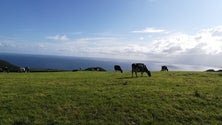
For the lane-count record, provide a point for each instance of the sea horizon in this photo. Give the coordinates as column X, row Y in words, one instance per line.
column 76, row 63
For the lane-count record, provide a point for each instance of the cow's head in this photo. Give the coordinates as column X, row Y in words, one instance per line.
column 148, row 73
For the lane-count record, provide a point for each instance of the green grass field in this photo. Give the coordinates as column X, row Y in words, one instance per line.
column 110, row 98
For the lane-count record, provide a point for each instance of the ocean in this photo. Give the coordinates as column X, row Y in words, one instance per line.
column 62, row 62
column 76, row 63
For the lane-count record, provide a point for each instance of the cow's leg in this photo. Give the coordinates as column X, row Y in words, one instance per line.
column 141, row 74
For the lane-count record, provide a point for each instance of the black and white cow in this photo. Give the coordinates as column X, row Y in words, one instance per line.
column 118, row 68
column 164, row 68
column 27, row 69
column 24, row 69
column 4, row 69
column 21, row 69
column 140, row 67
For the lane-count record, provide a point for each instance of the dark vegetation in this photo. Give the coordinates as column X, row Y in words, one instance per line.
column 94, row 69
column 212, row 70
column 10, row 66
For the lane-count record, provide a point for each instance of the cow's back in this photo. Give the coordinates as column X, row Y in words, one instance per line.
column 116, row 67
column 164, row 68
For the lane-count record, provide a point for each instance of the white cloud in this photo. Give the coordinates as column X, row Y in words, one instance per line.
column 172, row 48
column 58, row 38
column 201, row 48
column 207, row 42
column 8, row 44
column 149, row 30
column 141, row 38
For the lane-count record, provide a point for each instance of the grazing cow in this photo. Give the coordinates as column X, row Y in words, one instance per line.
column 24, row 69
column 21, row 69
column 164, row 68
column 140, row 67
column 118, row 68
column 27, row 69
column 4, row 69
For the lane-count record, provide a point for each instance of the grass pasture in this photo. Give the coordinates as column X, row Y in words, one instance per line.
column 110, row 98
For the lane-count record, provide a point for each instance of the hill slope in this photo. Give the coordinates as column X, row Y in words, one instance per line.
column 10, row 66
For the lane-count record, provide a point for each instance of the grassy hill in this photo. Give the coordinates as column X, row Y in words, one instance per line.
column 111, row 98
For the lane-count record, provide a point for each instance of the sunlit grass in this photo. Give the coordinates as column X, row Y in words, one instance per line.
column 110, row 98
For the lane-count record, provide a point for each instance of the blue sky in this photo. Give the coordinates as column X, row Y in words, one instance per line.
column 168, row 31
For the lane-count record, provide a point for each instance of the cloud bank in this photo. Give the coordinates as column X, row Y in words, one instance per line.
column 203, row 48
column 58, row 38
column 149, row 30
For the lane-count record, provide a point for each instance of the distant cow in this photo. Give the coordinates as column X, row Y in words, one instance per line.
column 118, row 68
column 140, row 67
column 5, row 69
column 21, row 69
column 164, row 68
column 24, row 69
column 27, row 69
